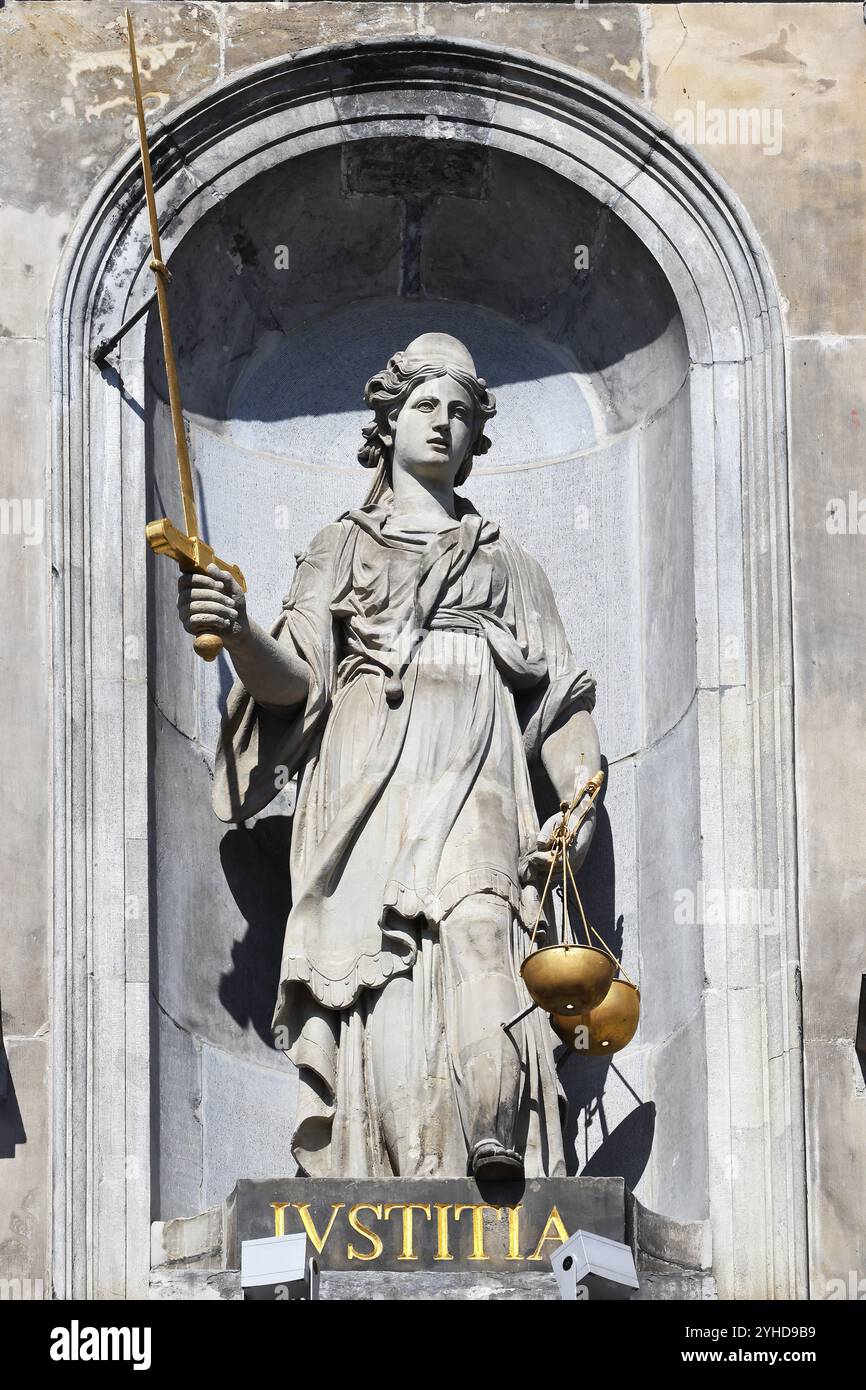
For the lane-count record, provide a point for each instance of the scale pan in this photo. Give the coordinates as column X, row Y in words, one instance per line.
column 568, row 979
column 609, row 1027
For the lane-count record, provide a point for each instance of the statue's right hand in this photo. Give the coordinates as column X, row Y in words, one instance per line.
column 213, row 602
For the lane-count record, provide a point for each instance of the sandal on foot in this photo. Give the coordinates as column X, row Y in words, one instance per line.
column 490, row 1159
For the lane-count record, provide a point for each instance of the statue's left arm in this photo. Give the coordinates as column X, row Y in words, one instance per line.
column 571, row 755
column 556, row 713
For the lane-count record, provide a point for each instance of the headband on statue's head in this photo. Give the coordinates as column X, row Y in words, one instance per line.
column 441, row 350
column 430, row 355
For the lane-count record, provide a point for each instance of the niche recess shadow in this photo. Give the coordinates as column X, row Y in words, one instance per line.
column 407, row 219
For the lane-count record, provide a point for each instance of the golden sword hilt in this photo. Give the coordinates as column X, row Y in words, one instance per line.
column 192, row 555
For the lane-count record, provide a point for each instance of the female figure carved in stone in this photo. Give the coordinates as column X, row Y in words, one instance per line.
column 418, row 670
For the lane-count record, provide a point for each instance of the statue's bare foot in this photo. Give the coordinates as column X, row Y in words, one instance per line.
column 490, row 1159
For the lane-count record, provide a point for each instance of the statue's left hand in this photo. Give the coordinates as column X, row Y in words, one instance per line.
column 538, row 863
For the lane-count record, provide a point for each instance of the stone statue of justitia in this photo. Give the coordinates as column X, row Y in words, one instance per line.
column 418, row 670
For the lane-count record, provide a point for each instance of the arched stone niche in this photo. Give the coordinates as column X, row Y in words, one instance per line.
column 639, row 452
column 590, row 468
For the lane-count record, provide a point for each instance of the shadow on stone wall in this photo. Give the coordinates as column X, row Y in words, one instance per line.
column 12, row 1131
column 255, row 863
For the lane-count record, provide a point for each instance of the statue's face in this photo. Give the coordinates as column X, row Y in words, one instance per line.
column 433, row 430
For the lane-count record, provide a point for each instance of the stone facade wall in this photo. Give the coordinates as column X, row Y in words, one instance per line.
column 65, row 114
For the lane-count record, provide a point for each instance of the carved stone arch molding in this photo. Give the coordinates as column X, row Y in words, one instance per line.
column 709, row 253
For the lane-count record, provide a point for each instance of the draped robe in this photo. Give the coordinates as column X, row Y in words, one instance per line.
column 438, row 664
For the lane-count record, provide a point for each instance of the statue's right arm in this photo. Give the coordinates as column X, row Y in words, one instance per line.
column 215, row 602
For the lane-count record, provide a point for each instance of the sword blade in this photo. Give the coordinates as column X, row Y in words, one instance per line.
column 161, row 277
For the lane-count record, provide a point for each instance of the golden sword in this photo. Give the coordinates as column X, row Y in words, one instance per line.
column 188, row 549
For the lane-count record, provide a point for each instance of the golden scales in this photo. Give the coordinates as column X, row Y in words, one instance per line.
column 574, row 982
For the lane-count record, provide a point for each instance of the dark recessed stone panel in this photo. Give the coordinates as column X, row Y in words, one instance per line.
column 440, row 1224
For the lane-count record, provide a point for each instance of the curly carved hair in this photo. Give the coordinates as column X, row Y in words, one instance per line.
column 388, row 390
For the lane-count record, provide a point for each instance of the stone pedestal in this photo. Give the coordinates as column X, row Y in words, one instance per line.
column 428, row 1238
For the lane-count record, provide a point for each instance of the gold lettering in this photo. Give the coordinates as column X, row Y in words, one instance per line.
column 478, row 1210
column 514, row 1233
column 303, row 1210
column 560, row 1234
column 407, row 1251
column 279, row 1217
column 442, row 1252
column 364, row 1231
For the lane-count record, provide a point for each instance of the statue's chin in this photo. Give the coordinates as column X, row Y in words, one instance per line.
column 435, row 467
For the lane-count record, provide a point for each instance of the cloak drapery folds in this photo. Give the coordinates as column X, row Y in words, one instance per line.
column 258, row 744
column 260, row 747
